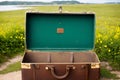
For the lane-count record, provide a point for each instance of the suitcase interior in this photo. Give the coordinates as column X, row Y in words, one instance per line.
column 60, row 31
column 60, row 57
column 60, row 38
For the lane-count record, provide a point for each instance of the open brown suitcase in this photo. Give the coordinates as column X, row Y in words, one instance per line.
column 58, row 47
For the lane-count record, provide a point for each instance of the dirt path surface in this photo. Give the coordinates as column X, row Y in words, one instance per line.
column 11, row 76
column 11, row 61
column 117, row 73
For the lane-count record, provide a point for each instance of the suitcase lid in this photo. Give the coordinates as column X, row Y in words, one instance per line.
column 60, row 31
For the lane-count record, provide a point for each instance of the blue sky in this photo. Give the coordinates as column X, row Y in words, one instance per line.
column 85, row 1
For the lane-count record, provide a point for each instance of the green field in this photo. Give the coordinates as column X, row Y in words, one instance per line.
column 107, row 45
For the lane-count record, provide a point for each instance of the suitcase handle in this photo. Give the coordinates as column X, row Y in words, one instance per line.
column 52, row 68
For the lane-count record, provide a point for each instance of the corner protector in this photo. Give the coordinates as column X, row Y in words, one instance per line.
column 25, row 66
column 95, row 65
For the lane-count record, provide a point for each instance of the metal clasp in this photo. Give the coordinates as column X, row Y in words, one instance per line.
column 25, row 66
column 95, row 65
column 60, row 9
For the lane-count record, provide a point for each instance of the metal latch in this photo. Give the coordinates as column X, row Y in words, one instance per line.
column 95, row 65
column 60, row 9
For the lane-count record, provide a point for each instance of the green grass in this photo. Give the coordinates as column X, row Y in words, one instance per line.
column 104, row 12
column 11, row 68
column 106, row 74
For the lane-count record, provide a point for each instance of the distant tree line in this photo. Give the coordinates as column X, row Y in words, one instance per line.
column 37, row 3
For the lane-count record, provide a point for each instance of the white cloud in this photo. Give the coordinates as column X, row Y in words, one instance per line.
column 98, row 1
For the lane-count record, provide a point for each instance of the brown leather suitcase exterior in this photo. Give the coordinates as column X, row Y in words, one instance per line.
column 60, row 65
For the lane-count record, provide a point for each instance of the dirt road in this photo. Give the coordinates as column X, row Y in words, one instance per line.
column 11, row 76
column 10, row 61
